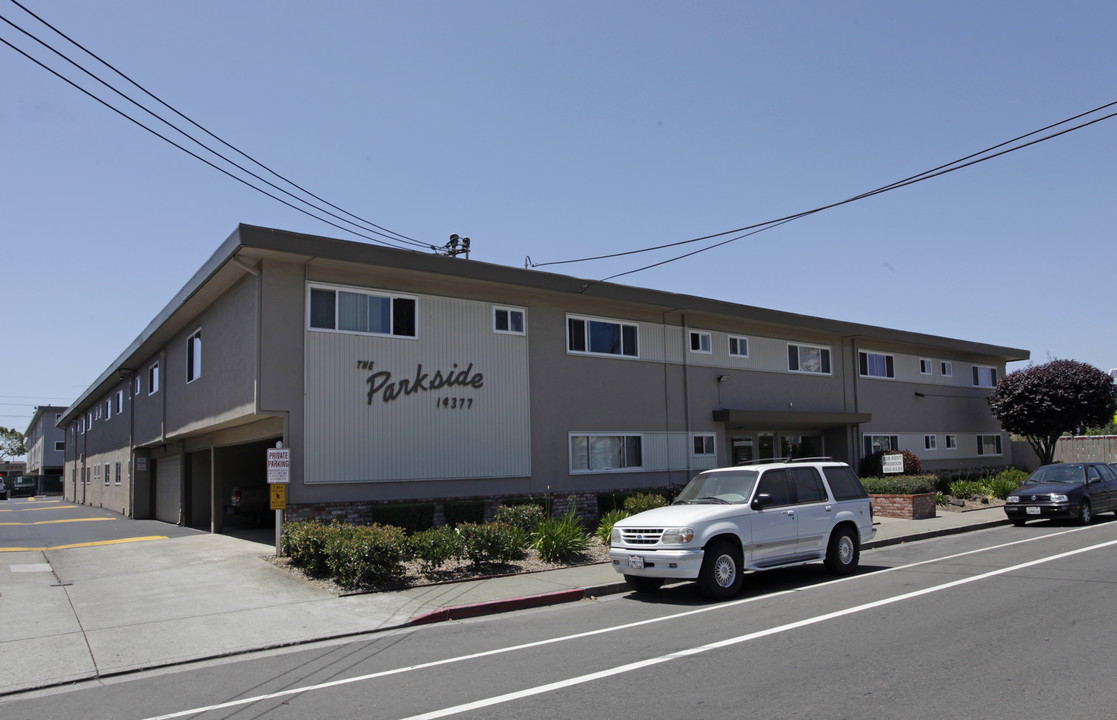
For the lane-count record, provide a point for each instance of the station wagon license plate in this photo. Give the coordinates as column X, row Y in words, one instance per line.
column 636, row 562
column 1031, row 510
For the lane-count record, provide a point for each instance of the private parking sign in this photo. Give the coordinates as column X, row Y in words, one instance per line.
column 279, row 465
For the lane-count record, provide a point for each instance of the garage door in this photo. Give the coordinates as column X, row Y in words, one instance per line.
column 168, row 489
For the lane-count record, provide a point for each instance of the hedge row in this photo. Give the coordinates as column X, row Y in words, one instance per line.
column 356, row 555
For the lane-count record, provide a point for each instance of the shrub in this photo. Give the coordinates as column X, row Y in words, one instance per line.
column 357, row 554
column 464, row 511
column 525, row 517
column 899, row 484
column 966, row 488
column 305, row 543
column 485, row 543
column 608, row 520
column 643, row 501
column 434, row 547
column 873, row 465
column 1006, row 481
column 412, row 517
column 560, row 539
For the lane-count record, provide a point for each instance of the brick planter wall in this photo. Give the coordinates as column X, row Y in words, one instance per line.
column 905, row 507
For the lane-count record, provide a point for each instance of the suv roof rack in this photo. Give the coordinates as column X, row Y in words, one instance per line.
column 769, row 461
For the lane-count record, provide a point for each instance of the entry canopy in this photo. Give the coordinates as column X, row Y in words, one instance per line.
column 785, row 420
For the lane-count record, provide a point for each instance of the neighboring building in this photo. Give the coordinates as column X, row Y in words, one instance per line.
column 394, row 376
column 13, row 469
column 46, row 442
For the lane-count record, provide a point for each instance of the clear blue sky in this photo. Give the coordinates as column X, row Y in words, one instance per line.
column 567, row 129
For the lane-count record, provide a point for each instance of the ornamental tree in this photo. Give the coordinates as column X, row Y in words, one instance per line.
column 1041, row 402
column 12, row 443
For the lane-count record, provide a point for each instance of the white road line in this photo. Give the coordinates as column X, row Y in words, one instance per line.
column 650, row 621
column 538, row 690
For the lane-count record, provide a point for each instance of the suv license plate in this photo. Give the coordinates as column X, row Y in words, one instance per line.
column 636, row 562
column 1031, row 510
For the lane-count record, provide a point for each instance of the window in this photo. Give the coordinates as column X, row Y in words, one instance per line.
column 879, row 443
column 99, row 413
column 808, row 485
column 844, row 483
column 808, row 359
column 951, row 442
column 108, row 477
column 930, row 442
column 738, row 346
column 363, row 312
column 925, row 367
column 108, row 409
column 139, row 385
column 194, row 357
column 946, row 368
column 984, row 376
column 119, row 401
column 876, row 365
column 988, row 444
column 700, row 342
column 774, row 483
column 508, row 320
column 595, row 453
column 601, row 337
column 704, row 445
column 60, row 445
column 116, row 477
column 153, row 379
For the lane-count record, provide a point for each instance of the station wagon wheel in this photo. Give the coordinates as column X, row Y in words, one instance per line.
column 643, row 584
column 1085, row 516
column 842, row 554
column 720, row 576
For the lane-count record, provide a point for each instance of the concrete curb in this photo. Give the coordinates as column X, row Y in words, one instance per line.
column 459, row 612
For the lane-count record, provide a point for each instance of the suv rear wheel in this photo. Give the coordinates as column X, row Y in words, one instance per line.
column 842, row 554
column 720, row 576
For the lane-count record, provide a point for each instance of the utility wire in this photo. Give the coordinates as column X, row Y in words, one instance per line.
column 749, row 230
column 398, row 237
column 902, row 183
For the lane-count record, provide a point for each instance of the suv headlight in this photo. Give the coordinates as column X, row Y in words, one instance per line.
column 677, row 536
column 615, row 536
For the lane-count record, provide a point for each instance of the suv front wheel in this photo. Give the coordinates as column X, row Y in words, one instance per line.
column 720, row 576
column 842, row 553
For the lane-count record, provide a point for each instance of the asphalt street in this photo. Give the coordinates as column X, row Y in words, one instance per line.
column 1000, row 623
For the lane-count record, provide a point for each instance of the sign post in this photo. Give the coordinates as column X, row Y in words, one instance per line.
column 279, row 476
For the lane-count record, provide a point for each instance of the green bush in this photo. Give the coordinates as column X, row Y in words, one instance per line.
column 412, row 517
column 305, row 543
column 608, row 520
column 873, row 465
column 643, row 501
column 1006, row 481
column 560, row 539
column 525, row 517
column 965, row 488
column 464, row 511
column 485, row 543
column 358, row 554
column 434, row 547
column 899, row 484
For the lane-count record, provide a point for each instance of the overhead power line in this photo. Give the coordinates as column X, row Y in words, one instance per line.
column 743, row 232
column 390, row 237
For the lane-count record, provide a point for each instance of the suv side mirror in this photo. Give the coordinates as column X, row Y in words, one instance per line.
column 761, row 500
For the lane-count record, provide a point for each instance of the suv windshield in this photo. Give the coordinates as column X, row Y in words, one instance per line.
column 733, row 486
column 1056, row 474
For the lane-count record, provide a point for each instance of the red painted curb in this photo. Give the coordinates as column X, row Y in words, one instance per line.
column 495, row 606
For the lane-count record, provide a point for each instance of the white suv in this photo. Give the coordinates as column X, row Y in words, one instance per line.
column 757, row 516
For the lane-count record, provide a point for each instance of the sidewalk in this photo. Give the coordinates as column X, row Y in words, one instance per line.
column 83, row 613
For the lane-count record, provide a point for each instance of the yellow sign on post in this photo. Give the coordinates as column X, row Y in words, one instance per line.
column 278, row 494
